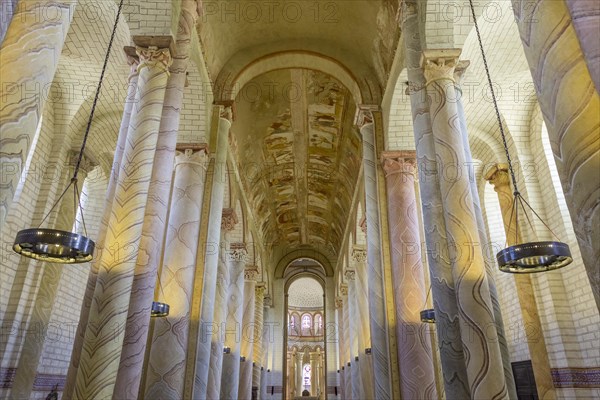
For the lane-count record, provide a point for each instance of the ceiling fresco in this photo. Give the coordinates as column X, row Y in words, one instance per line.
column 298, row 154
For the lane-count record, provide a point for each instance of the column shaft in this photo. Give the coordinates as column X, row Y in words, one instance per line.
column 417, row 377
column 498, row 176
column 204, row 341
column 30, row 53
column 257, row 339
column 346, row 363
column 110, row 195
column 468, row 264
column 168, row 346
column 104, row 337
column 247, row 331
column 353, row 333
column 377, row 304
column 442, row 282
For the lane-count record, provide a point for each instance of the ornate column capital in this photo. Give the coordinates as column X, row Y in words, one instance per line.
column 363, row 224
column 350, row 274
column 364, row 114
column 359, row 254
column 498, row 176
column 133, row 60
column 229, row 219
column 251, row 273
column 227, row 110
column 439, row 64
column 344, row 289
column 399, row 162
column 237, row 252
column 459, row 71
column 87, row 163
column 259, row 290
column 339, row 302
column 268, row 301
column 154, row 57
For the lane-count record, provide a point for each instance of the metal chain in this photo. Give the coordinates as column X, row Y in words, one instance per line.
column 89, row 124
column 487, row 72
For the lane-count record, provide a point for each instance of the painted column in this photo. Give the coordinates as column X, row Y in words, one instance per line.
column 353, row 332
column 131, row 366
column 443, row 289
column 265, row 378
column 247, row 331
column 585, row 15
column 459, row 71
column 257, row 352
column 499, row 178
column 314, row 377
column 468, row 264
column 377, row 303
column 209, row 283
column 108, row 314
column 570, row 104
column 346, row 363
column 110, row 195
column 292, row 374
column 414, row 347
column 33, row 344
column 339, row 313
column 359, row 260
column 30, row 52
column 236, row 260
column 168, row 344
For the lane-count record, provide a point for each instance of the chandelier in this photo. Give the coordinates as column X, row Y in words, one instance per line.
column 524, row 257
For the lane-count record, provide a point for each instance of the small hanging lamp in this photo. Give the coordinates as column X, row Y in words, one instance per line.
column 54, row 245
column 428, row 314
column 159, row 309
column 526, row 257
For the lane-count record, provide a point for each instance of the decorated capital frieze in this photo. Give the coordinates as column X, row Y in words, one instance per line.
column 339, row 302
column 344, row 290
column 154, row 57
column 350, row 274
column 268, row 301
column 459, row 71
column 259, row 290
column 359, row 254
column 251, row 273
column 87, row 163
column 192, row 153
column 229, row 219
column 399, row 162
column 364, row 114
column 498, row 176
column 439, row 64
column 237, row 252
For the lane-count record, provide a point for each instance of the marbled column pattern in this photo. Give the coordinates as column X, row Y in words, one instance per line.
column 353, row 332
column 104, row 337
column 247, row 332
column 257, row 352
column 414, row 346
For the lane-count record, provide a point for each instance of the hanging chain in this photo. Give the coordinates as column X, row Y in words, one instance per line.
column 89, row 124
column 487, row 72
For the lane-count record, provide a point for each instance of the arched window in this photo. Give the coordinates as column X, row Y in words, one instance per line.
column 318, row 325
column 293, row 324
column 306, row 321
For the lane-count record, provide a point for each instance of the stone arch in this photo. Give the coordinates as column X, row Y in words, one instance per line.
column 322, row 260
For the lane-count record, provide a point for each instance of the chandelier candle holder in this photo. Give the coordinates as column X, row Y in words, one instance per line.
column 525, row 257
column 54, row 245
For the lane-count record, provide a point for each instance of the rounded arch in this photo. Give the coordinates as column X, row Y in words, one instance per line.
column 229, row 83
column 284, row 262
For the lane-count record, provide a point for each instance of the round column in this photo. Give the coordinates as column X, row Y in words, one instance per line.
column 359, row 260
column 168, row 344
column 104, row 337
column 133, row 61
column 498, row 177
column 346, row 356
column 247, row 330
column 236, row 260
column 354, row 327
column 468, row 263
column 257, row 352
column 417, row 377
column 442, row 281
column 339, row 315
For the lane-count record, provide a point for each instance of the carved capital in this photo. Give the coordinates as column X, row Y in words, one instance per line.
column 399, row 162
column 363, row 224
column 344, row 290
column 459, row 71
column 132, row 60
column 359, row 255
column 339, row 302
column 192, row 154
column 154, row 57
column 498, row 176
column 229, row 219
column 259, row 290
column 87, row 163
column 439, row 64
column 406, row 10
column 364, row 114
column 227, row 112
column 236, row 253
column 350, row 274
column 268, row 301
column 251, row 273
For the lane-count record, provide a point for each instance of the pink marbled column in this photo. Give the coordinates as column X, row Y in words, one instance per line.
column 417, row 378
column 247, row 331
column 236, row 260
column 104, row 336
column 480, row 343
column 168, row 346
column 110, row 195
column 353, row 333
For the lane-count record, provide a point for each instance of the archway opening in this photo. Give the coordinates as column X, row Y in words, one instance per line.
column 305, row 339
